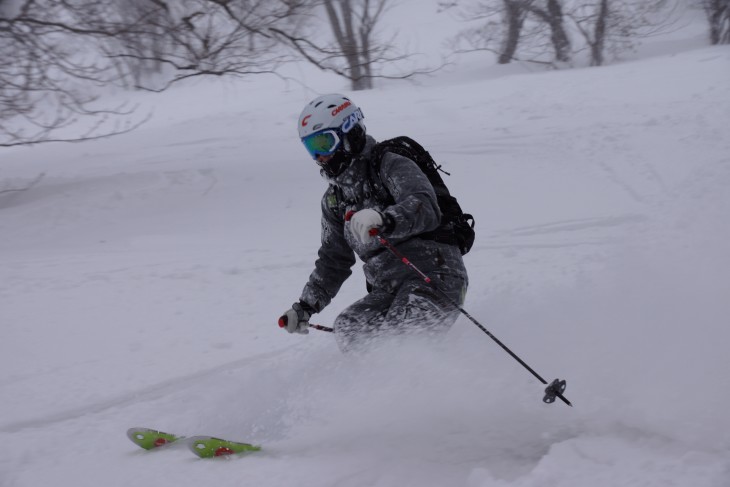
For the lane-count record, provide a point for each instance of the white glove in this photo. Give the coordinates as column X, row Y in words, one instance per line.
column 363, row 221
column 295, row 319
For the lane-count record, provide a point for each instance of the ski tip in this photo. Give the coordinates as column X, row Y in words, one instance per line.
column 211, row 447
column 150, row 439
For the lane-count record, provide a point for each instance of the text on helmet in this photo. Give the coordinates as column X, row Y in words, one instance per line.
column 341, row 107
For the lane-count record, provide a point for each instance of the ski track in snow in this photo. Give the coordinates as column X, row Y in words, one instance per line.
column 149, row 393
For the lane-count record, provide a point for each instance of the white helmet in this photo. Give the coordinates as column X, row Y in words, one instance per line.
column 331, row 125
column 331, row 111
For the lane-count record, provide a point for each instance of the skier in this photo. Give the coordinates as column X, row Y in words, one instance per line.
column 400, row 204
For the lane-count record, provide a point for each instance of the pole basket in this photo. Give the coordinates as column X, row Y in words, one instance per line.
column 555, row 389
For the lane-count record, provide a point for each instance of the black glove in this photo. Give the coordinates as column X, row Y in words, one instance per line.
column 296, row 319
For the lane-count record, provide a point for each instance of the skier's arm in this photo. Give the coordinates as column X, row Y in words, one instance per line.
column 415, row 210
column 334, row 263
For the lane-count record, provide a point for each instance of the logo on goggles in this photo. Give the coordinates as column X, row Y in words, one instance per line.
column 352, row 120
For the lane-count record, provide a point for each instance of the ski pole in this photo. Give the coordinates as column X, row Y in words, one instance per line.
column 322, row 328
column 284, row 320
column 553, row 390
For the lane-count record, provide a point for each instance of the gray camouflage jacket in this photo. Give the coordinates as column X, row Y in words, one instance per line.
column 414, row 212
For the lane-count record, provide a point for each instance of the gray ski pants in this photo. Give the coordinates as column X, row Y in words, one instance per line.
column 414, row 308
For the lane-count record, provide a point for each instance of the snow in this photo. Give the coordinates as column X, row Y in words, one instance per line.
column 142, row 276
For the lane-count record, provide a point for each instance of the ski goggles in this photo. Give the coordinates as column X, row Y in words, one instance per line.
column 322, row 143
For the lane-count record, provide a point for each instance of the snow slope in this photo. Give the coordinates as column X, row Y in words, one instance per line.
column 141, row 278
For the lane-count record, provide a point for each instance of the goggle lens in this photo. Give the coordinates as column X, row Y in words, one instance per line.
column 323, row 143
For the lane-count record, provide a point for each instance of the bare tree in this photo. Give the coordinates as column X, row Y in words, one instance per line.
column 41, row 98
column 501, row 31
column 718, row 15
column 61, row 55
column 615, row 26
column 150, row 47
column 355, row 52
column 551, row 13
column 534, row 28
column 188, row 38
column 544, row 31
column 514, row 17
column 355, row 45
column 597, row 41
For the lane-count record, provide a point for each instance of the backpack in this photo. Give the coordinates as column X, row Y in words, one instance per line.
column 457, row 227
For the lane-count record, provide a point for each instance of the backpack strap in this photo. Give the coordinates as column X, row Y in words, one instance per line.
column 334, row 201
column 403, row 146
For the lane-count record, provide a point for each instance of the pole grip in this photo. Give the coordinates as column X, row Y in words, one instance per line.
column 283, row 321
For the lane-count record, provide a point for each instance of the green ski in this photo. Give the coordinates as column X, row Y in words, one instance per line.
column 210, row 447
column 202, row 446
column 150, row 439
